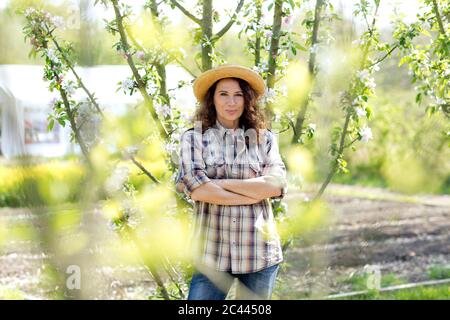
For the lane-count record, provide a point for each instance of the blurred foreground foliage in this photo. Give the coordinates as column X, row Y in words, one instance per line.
column 57, row 181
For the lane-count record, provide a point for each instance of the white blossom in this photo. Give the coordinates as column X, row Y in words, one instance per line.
column 29, row 11
column 117, row 179
column 127, row 84
column 58, row 21
column 270, row 95
column 357, row 101
column 69, row 88
column 284, row 63
column 152, row 90
column 363, row 75
column 361, row 112
column 51, row 54
column 130, row 151
column 47, row 15
column 163, row 110
column 439, row 100
column 53, row 101
column 358, row 42
column 287, row 20
column 170, row 147
column 140, row 55
column 176, row 136
column 186, row 116
column 277, row 117
column 258, row 69
column 206, row 43
column 366, row 134
column 312, row 126
column 370, row 83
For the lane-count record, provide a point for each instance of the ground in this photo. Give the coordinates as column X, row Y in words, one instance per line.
column 404, row 236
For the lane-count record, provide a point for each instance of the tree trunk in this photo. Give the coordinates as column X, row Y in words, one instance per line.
column 258, row 34
column 298, row 128
column 207, row 35
column 275, row 43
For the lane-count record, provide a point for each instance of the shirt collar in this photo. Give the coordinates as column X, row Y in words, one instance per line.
column 223, row 130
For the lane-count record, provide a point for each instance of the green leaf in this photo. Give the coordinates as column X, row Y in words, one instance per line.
column 51, row 125
column 403, row 60
column 369, row 112
column 419, row 98
column 294, row 51
column 292, row 3
column 62, row 122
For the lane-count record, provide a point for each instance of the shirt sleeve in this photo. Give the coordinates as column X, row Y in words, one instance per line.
column 274, row 165
column 192, row 166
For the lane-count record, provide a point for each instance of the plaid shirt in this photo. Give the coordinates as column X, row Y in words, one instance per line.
column 238, row 239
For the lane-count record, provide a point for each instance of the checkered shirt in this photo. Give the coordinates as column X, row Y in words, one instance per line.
column 238, row 239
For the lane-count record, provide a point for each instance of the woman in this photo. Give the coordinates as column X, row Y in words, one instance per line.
column 230, row 167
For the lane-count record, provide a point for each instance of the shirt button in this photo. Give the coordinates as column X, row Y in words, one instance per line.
column 234, row 220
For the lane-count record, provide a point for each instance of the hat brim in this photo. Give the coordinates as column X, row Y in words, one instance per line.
column 208, row 78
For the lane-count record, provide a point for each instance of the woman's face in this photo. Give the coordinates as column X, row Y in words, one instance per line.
column 229, row 102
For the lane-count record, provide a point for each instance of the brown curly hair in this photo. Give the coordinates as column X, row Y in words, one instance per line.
column 251, row 118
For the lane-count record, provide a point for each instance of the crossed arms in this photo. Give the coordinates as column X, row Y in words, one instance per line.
column 194, row 181
column 235, row 191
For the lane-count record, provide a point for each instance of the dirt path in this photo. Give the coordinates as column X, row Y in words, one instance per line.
column 404, row 236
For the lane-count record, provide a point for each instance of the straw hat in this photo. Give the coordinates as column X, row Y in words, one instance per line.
column 208, row 78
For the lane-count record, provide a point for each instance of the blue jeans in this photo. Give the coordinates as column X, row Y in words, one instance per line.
column 260, row 284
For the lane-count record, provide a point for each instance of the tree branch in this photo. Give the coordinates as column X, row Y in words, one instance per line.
column 333, row 167
column 72, row 69
column 438, row 16
column 137, row 76
column 186, row 12
column 258, row 34
column 230, row 23
column 298, row 128
column 347, row 121
column 207, row 29
column 385, row 56
column 76, row 131
column 144, row 170
column 274, row 43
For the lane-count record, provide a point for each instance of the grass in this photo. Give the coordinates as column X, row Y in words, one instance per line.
column 358, row 282
column 441, row 292
column 439, row 272
column 11, row 294
column 438, row 292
